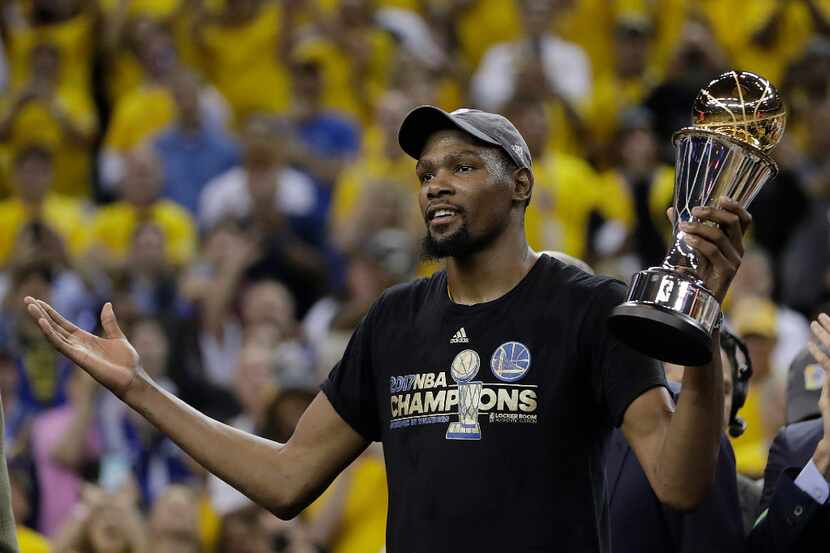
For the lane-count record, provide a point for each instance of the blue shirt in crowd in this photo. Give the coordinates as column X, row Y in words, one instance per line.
column 190, row 160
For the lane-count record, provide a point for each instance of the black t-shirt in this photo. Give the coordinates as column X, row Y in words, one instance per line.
column 493, row 416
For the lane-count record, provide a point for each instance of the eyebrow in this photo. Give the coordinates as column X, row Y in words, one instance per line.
column 455, row 156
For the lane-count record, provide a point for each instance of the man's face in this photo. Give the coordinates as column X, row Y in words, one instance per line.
column 465, row 202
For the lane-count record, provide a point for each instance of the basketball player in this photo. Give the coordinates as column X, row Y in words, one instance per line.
column 502, row 452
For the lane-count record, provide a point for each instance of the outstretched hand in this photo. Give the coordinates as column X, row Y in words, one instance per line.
column 110, row 359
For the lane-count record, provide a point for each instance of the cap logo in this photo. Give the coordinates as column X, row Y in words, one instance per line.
column 518, row 150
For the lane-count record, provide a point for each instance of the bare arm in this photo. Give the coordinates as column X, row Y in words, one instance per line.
column 282, row 478
column 678, row 450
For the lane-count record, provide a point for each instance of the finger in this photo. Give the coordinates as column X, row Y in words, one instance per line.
column 819, row 356
column 672, row 215
column 715, row 236
column 711, row 252
column 727, row 221
column 57, row 317
column 820, row 333
column 727, row 203
column 57, row 341
column 38, row 313
column 109, row 322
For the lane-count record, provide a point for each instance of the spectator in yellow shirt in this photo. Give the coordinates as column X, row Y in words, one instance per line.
column 381, row 162
column 566, row 191
column 242, row 48
column 42, row 109
column 145, row 111
column 33, row 201
column 625, row 84
column 356, row 55
column 70, row 25
column 114, row 226
column 636, row 192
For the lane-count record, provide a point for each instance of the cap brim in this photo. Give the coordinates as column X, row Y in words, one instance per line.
column 424, row 121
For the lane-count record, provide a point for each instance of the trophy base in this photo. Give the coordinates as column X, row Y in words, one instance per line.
column 460, row 431
column 668, row 316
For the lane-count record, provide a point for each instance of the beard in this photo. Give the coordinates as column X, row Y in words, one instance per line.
column 460, row 244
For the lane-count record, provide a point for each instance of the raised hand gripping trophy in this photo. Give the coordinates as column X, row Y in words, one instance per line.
column 668, row 313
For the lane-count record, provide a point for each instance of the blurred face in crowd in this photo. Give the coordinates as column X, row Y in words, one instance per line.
column 818, row 131
column 254, row 378
column 531, row 120
column 392, row 109
column 754, row 277
column 465, row 196
column 537, row 15
column 760, row 351
column 186, row 95
column 151, row 344
column 37, row 285
column 174, row 522
column 33, row 173
column 631, row 49
column 46, row 62
column 147, row 252
column 268, row 301
column 242, row 532
column 284, row 413
column 154, row 48
column 308, row 84
column 638, row 149
column 142, row 178
column 261, row 144
column 106, row 530
column 356, row 13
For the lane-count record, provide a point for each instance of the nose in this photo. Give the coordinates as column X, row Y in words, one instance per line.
column 439, row 185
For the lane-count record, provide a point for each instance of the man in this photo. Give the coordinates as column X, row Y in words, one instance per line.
column 795, row 508
column 640, row 523
column 526, row 476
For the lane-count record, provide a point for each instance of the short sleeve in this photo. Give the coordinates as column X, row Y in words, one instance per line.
column 619, row 374
column 350, row 386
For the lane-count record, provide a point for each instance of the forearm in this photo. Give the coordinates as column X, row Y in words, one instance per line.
column 689, row 452
column 251, row 464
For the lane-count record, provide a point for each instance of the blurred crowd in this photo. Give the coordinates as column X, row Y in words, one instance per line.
column 227, row 173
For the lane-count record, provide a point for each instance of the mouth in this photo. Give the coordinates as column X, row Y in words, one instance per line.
column 441, row 215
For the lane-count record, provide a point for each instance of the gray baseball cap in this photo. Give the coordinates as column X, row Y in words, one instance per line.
column 804, row 382
column 491, row 128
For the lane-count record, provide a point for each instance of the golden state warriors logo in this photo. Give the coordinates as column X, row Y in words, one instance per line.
column 510, row 361
column 465, row 366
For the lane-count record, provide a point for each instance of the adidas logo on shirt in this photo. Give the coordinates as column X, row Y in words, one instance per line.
column 460, row 337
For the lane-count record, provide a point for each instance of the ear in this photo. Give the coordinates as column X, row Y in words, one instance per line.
column 522, row 185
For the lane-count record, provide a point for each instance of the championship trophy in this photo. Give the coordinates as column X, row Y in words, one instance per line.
column 464, row 367
column 737, row 118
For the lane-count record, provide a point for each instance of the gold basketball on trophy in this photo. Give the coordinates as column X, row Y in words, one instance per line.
column 742, row 105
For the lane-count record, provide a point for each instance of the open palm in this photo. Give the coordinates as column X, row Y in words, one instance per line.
column 111, row 359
